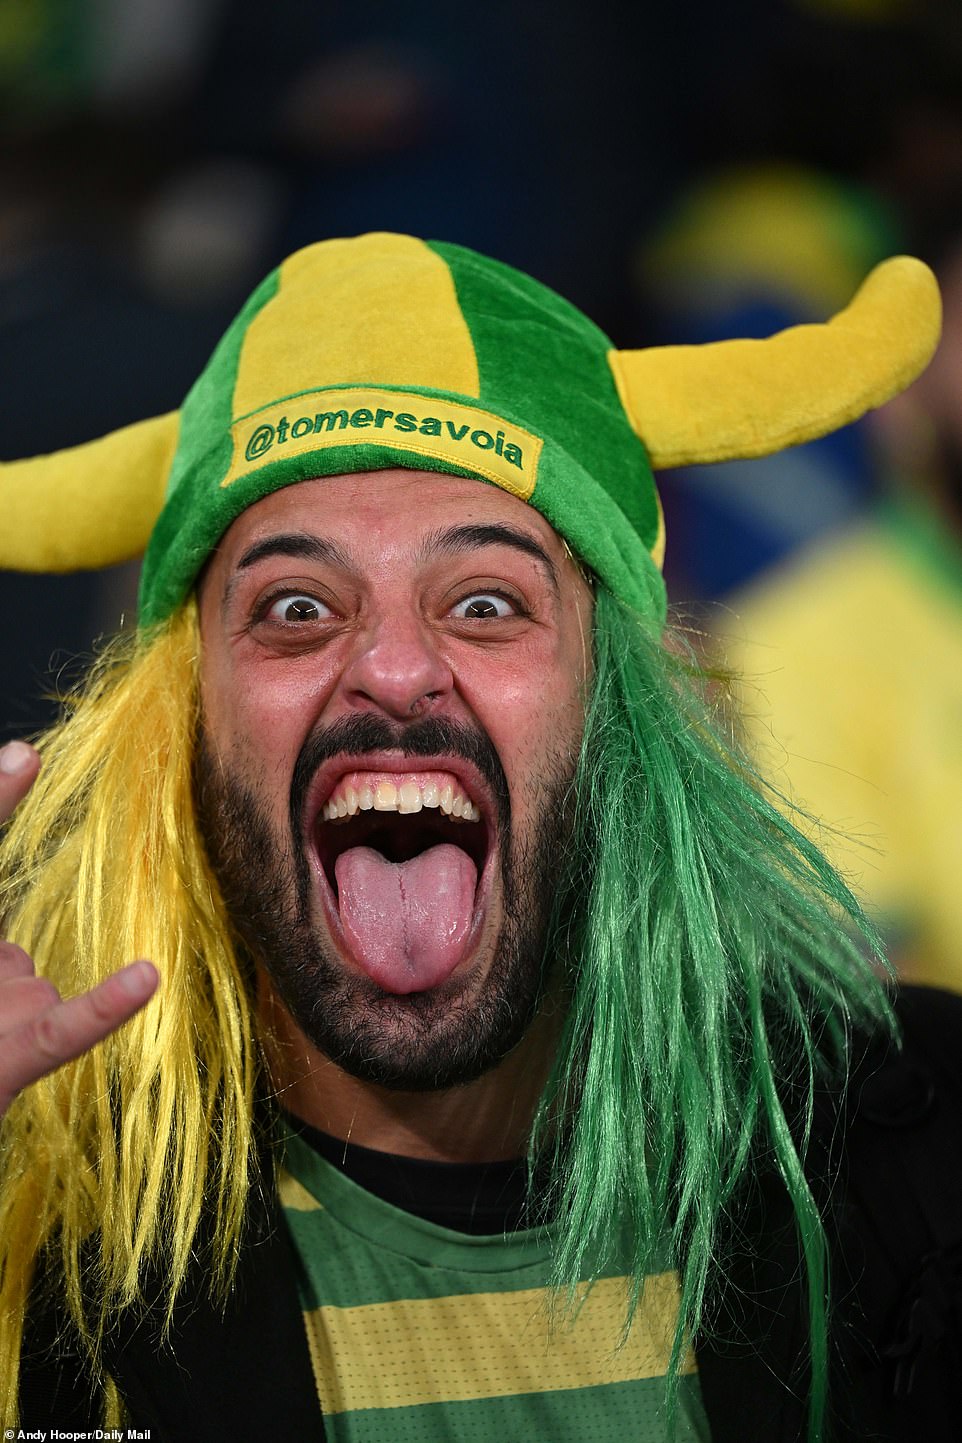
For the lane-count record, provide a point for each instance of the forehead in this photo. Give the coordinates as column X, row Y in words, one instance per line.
column 381, row 514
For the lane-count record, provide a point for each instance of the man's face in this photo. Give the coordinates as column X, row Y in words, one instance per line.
column 394, row 668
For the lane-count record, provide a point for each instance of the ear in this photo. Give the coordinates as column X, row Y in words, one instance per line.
column 738, row 399
column 89, row 506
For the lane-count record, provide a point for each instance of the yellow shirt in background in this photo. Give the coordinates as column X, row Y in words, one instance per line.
column 849, row 673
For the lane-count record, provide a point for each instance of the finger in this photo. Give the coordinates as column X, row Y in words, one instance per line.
column 19, row 765
column 23, row 998
column 14, row 961
column 70, row 1028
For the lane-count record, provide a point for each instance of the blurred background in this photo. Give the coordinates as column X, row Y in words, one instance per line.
column 696, row 173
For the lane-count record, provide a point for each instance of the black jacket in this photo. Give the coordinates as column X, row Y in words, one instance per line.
column 886, row 1167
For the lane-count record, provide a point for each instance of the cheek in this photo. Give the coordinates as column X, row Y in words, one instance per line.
column 533, row 709
column 257, row 719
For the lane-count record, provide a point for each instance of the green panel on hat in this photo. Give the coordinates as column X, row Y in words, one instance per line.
column 187, row 530
column 541, row 359
column 539, row 356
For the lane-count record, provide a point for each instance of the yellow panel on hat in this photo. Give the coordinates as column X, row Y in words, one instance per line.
column 381, row 307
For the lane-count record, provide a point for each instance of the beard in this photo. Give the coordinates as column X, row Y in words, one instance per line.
column 421, row 1041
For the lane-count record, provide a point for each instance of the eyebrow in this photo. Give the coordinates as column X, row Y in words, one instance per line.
column 450, row 541
column 289, row 543
column 456, row 539
column 294, row 543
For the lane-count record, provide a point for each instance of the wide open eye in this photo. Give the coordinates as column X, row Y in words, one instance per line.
column 484, row 606
column 293, row 607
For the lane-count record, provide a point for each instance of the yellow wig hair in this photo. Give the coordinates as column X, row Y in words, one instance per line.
column 115, row 1153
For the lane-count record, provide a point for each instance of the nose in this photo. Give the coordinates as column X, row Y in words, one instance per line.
column 397, row 669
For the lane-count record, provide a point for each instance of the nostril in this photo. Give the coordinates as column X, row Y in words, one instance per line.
column 419, row 707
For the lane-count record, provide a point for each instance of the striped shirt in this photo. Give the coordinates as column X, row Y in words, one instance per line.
column 420, row 1334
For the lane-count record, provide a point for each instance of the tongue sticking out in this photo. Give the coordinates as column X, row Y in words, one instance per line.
column 406, row 922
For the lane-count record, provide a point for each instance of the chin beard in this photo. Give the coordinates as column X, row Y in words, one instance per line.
column 421, row 1041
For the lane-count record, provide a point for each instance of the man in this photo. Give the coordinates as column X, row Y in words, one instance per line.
column 480, row 957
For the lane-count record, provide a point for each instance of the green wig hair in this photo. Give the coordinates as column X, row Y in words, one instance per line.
column 718, row 968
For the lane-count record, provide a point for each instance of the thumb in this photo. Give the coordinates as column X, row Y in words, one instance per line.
column 19, row 765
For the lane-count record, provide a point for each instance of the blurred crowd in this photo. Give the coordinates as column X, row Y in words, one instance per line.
column 701, row 172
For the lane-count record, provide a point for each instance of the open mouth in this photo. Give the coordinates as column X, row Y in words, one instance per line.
column 404, row 864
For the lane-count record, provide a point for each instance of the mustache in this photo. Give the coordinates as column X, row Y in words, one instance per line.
column 356, row 735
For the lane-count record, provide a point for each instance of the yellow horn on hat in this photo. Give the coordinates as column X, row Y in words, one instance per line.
column 90, row 505
column 738, row 399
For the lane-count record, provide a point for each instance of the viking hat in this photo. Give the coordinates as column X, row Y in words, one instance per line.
column 383, row 351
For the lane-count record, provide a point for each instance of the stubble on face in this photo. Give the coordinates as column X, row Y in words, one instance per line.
column 420, row 1041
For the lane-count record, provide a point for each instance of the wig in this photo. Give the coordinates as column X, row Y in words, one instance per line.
column 130, row 1144
column 710, row 959
column 718, row 964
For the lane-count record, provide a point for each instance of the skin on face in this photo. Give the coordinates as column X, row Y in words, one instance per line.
column 402, row 596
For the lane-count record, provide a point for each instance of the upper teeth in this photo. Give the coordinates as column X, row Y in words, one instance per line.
column 410, row 795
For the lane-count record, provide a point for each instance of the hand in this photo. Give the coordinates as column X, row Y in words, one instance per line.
column 39, row 1031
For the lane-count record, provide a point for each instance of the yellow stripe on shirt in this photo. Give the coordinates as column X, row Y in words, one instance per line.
column 485, row 1345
